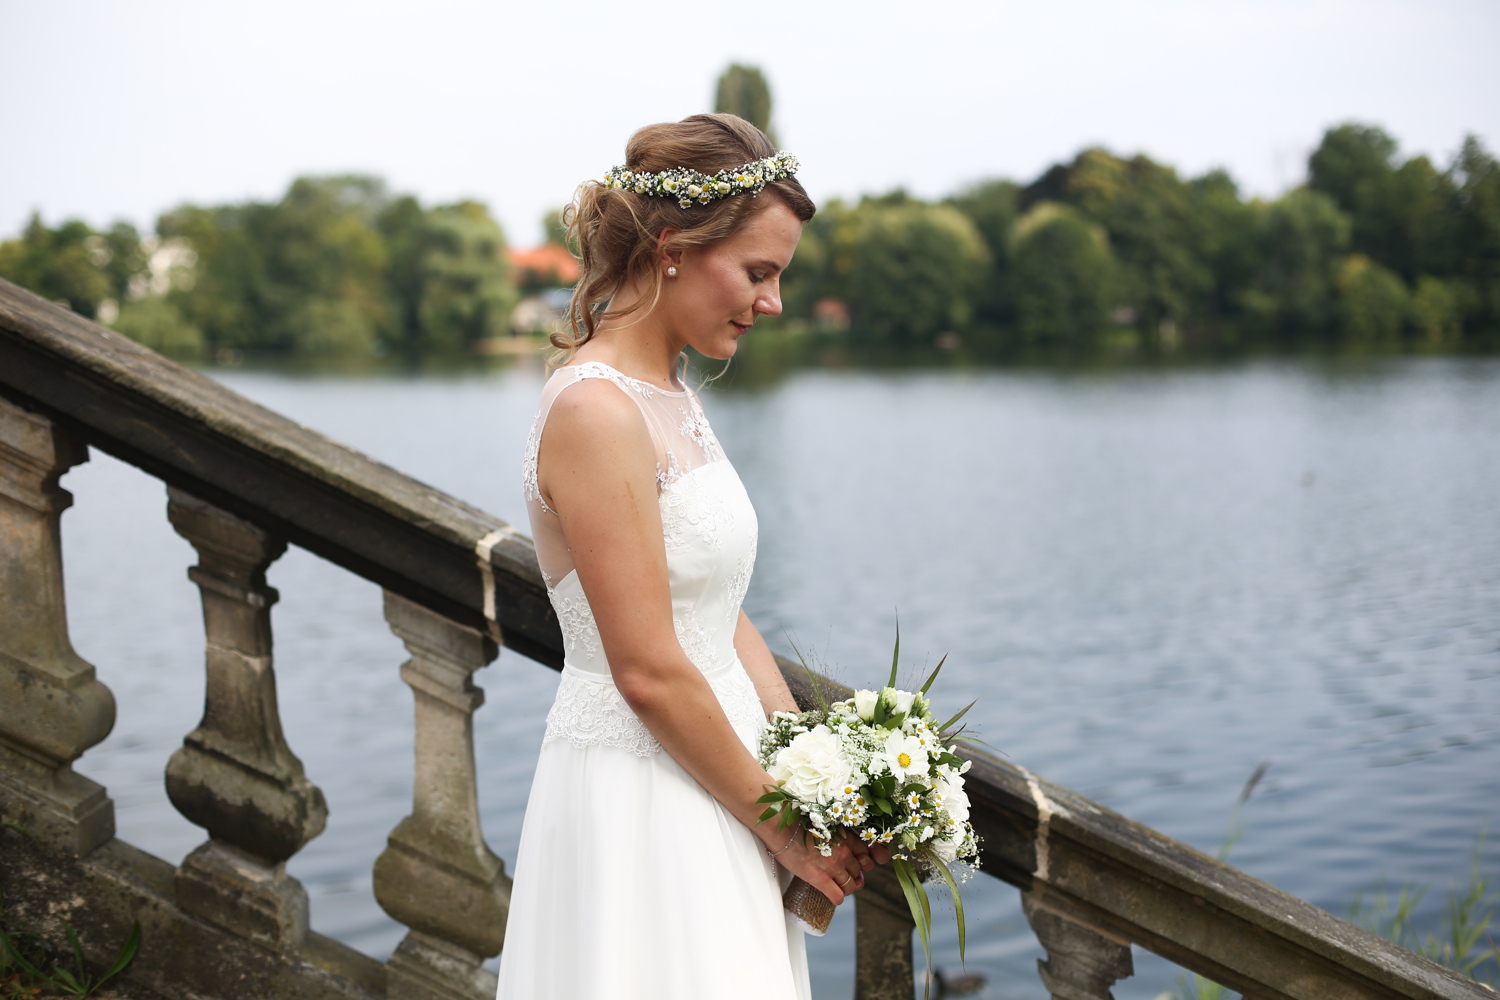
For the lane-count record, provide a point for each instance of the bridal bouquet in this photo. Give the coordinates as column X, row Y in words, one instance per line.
column 877, row 766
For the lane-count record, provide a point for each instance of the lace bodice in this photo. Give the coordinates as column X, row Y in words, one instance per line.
column 709, row 532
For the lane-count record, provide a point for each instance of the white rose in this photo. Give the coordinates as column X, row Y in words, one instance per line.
column 955, row 800
column 903, row 702
column 946, row 851
column 864, row 704
column 813, row 766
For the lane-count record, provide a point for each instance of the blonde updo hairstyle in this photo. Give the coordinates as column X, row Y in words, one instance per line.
column 617, row 233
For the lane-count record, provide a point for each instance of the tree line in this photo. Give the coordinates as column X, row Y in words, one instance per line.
column 336, row 266
column 1372, row 249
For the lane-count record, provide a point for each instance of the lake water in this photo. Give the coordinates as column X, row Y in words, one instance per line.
column 1151, row 580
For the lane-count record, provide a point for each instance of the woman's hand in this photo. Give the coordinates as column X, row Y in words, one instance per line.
column 869, row 855
column 838, row 875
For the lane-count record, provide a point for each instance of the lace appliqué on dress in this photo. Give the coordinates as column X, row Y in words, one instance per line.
column 739, row 583
column 693, row 638
column 741, row 703
column 687, row 504
column 529, row 486
column 590, row 713
column 695, row 428
column 594, row 713
column 577, row 621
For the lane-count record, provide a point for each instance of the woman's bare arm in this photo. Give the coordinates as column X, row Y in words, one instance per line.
column 597, row 469
column 756, row 657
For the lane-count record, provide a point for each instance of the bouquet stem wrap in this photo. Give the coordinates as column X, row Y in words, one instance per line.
column 812, row 910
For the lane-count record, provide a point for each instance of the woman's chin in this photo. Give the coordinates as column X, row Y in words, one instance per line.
column 719, row 350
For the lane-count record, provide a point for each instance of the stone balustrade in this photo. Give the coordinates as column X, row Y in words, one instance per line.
column 242, row 484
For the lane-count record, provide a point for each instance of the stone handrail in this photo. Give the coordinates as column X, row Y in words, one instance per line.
column 243, row 482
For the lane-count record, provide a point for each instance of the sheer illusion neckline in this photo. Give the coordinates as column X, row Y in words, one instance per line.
column 648, row 386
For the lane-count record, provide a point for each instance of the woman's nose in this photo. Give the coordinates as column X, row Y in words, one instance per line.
column 769, row 304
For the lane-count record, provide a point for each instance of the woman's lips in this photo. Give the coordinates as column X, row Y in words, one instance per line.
column 742, row 327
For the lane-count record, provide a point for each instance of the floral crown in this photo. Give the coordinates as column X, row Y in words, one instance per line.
column 688, row 185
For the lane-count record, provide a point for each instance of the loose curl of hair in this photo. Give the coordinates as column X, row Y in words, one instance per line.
column 617, row 234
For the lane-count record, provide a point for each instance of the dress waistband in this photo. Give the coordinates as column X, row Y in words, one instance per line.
column 595, row 677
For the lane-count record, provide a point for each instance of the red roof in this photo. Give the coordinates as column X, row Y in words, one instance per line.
column 548, row 259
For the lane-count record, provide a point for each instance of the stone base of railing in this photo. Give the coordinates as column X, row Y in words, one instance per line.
column 181, row 957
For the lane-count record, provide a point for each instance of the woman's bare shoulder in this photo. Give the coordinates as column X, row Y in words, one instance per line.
column 598, row 423
column 598, row 404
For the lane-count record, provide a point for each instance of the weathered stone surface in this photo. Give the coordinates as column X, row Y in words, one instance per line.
column 437, row 875
column 181, row 957
column 52, row 706
column 234, row 775
column 1081, row 964
column 242, row 894
column 426, row 968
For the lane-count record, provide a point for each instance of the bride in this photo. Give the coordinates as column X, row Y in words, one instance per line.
column 643, row 873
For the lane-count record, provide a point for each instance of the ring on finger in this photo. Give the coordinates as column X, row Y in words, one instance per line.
column 846, row 881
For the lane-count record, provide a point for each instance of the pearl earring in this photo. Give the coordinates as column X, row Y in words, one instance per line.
column 672, row 272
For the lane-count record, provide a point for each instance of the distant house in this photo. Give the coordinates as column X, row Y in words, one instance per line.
column 547, row 266
column 541, row 313
column 831, row 314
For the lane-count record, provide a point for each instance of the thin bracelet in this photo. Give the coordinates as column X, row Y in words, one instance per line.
column 781, row 852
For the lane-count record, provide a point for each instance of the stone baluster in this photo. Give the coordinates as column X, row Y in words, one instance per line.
column 1081, row 963
column 437, row 875
column 235, row 775
column 52, row 707
column 882, row 939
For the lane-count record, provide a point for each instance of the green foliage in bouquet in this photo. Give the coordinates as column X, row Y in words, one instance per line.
column 878, row 766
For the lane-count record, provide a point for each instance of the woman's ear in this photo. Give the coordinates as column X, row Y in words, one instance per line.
column 668, row 254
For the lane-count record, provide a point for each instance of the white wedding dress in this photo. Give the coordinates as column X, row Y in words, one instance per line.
column 632, row 882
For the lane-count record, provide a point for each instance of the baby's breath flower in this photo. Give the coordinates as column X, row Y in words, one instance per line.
column 688, row 185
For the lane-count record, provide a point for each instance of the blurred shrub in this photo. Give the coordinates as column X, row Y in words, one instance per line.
column 1373, row 301
column 909, row 270
column 159, row 325
column 1064, row 276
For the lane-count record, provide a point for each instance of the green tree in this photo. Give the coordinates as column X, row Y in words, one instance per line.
column 1301, row 240
column 1150, row 217
column 1437, row 309
column 743, row 90
column 65, row 264
column 1353, row 166
column 157, row 323
column 1401, row 215
column 993, row 206
column 554, row 231
column 1224, row 232
column 1064, row 276
column 466, row 292
column 1477, row 234
column 126, row 261
column 909, row 270
column 1373, row 301
column 327, row 261
column 449, row 274
column 304, row 274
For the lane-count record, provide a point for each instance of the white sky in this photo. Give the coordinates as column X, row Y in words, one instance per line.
column 124, row 109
